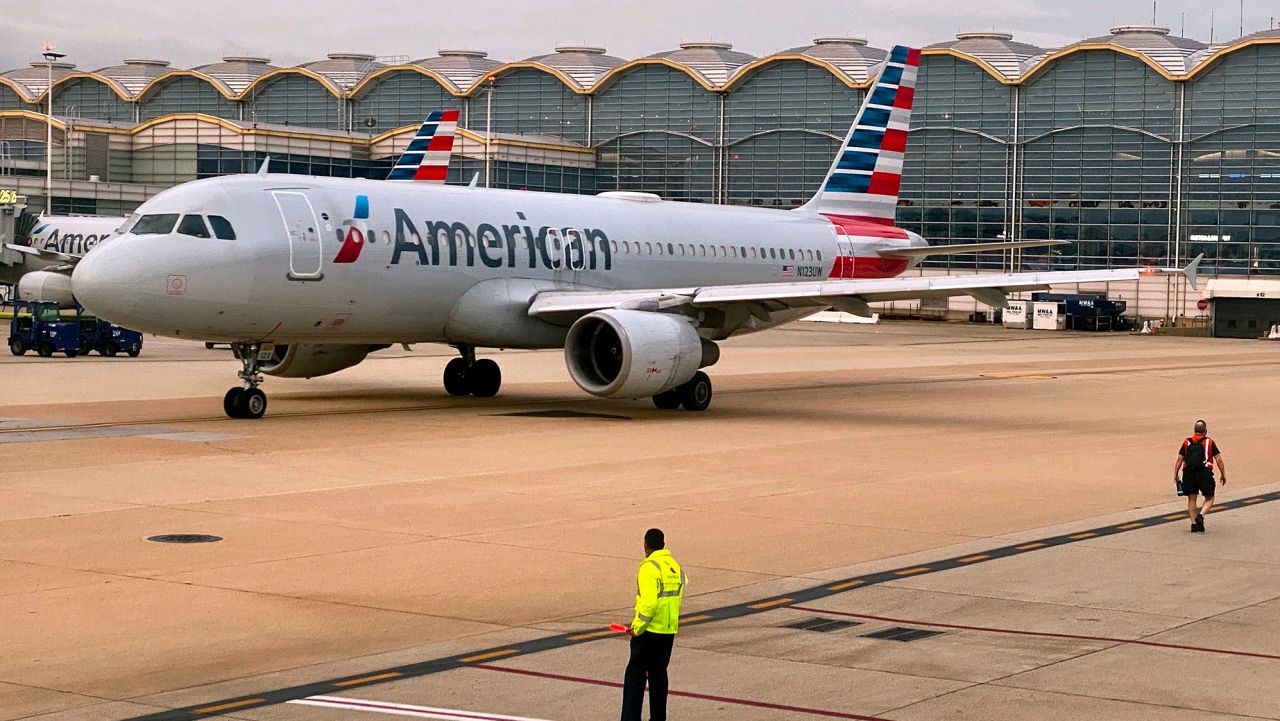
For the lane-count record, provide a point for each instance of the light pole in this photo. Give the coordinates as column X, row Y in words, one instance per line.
column 50, row 57
column 490, row 81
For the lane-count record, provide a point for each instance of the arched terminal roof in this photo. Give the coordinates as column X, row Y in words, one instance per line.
column 134, row 74
column 34, row 80
column 1173, row 54
column 344, row 70
column 583, row 64
column 236, row 72
column 998, row 50
column 714, row 62
column 852, row 57
column 462, row 68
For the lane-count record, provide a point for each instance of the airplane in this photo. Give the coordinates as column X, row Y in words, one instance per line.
column 56, row 243
column 305, row 276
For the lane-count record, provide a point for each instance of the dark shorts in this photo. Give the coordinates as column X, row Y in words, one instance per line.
column 1198, row 486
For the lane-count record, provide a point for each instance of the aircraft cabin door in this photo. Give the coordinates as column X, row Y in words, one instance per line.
column 305, row 251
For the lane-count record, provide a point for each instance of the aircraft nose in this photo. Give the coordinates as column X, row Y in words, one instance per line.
column 107, row 282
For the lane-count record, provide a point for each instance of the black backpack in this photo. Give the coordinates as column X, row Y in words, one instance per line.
column 1198, row 461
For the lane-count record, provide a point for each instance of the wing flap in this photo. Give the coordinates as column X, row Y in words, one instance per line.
column 961, row 248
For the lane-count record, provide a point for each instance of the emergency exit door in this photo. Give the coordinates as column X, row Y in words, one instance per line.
column 305, row 252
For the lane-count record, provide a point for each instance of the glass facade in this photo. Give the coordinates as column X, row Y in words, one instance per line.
column 1125, row 157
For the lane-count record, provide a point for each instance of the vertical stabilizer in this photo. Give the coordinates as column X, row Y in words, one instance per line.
column 426, row 160
column 864, row 180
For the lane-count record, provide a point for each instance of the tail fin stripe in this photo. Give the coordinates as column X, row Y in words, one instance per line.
column 858, row 160
column 866, row 138
column 884, row 96
column 441, row 143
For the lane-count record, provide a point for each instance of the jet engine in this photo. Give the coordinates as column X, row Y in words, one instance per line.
column 634, row 353
column 43, row 285
column 311, row 360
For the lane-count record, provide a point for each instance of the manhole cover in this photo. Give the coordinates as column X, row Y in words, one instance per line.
column 185, row 538
column 903, row 634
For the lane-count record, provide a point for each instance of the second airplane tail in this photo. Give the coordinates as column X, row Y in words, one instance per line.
column 426, row 160
column 864, row 180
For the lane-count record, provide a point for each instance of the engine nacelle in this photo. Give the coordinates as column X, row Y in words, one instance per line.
column 43, row 285
column 311, row 360
column 634, row 353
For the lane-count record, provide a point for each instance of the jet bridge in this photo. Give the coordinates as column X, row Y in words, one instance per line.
column 15, row 224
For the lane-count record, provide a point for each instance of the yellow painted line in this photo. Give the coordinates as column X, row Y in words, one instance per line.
column 593, row 634
column 695, row 619
column 911, row 571
column 1029, row 546
column 231, row 705
column 1079, row 536
column 1253, row 500
column 843, row 586
column 487, row 656
column 771, row 604
column 1131, row 526
column 1174, row 516
column 974, row 559
column 368, row 679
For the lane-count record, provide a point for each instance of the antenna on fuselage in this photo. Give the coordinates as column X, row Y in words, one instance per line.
column 265, row 167
column 475, row 181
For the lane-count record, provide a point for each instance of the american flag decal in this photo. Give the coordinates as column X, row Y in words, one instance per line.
column 788, row 271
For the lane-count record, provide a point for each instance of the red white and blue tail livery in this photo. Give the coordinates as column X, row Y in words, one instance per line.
column 426, row 160
column 865, row 177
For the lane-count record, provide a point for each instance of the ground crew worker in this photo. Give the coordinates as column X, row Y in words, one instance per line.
column 1196, row 459
column 659, row 590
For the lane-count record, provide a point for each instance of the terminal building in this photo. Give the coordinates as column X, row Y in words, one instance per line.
column 1135, row 147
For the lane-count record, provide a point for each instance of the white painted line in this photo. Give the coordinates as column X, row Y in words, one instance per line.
column 399, row 709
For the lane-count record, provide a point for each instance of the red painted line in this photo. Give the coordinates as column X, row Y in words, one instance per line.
column 1043, row 634
column 687, row 694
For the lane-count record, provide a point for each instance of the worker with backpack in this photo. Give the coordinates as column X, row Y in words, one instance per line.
column 1196, row 458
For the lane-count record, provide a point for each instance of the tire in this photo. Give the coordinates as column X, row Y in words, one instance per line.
column 109, row 350
column 45, row 350
column 71, row 353
column 696, row 394
column 668, row 401
column 485, row 378
column 231, row 402
column 253, row 404
column 17, row 347
column 455, row 378
column 134, row 352
column 208, row 345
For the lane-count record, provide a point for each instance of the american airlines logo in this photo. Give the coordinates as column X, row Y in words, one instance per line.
column 498, row 245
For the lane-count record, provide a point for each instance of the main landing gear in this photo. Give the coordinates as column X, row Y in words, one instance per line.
column 467, row 376
column 695, row 395
column 249, row 401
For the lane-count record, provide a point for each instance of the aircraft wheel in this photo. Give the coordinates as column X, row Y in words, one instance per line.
column 485, row 378
column 109, row 350
column 253, row 404
column 455, row 378
column 231, row 402
column 696, row 394
column 17, row 347
column 45, row 350
column 668, row 401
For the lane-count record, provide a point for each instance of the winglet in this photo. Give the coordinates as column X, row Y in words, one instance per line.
column 1192, row 270
column 265, row 167
column 475, row 181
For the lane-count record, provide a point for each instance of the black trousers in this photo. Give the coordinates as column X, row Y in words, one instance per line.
column 650, row 654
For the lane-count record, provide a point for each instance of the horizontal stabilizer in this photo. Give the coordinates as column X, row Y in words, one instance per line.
column 959, row 248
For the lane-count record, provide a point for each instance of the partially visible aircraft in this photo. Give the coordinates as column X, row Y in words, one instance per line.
column 306, row 276
column 56, row 243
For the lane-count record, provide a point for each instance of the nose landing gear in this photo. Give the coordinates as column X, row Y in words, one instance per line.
column 249, row 401
column 467, row 376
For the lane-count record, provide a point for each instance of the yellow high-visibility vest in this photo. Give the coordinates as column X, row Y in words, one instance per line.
column 659, row 589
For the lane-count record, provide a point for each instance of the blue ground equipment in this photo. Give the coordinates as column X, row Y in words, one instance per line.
column 1088, row 311
column 40, row 326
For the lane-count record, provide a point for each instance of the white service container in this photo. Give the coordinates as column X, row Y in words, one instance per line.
column 1049, row 315
column 1017, row 314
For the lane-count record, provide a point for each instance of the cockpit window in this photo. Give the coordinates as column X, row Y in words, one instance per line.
column 222, row 227
column 193, row 225
column 129, row 222
column 155, row 224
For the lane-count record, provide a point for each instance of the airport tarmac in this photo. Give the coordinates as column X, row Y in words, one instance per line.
column 963, row 521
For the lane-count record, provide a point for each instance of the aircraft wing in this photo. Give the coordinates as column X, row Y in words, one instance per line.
column 848, row 295
column 52, row 256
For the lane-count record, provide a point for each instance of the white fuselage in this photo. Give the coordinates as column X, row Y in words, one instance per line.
column 436, row 263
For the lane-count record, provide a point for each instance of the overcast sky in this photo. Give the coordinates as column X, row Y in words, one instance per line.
column 97, row 33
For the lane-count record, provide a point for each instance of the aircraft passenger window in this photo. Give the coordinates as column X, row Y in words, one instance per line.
column 222, row 227
column 680, row 247
column 670, row 249
column 659, row 248
column 386, row 237
column 702, row 250
column 713, row 252
column 792, row 253
column 193, row 225
column 155, row 224
column 613, row 246
column 648, row 248
column 819, row 256
column 773, row 254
